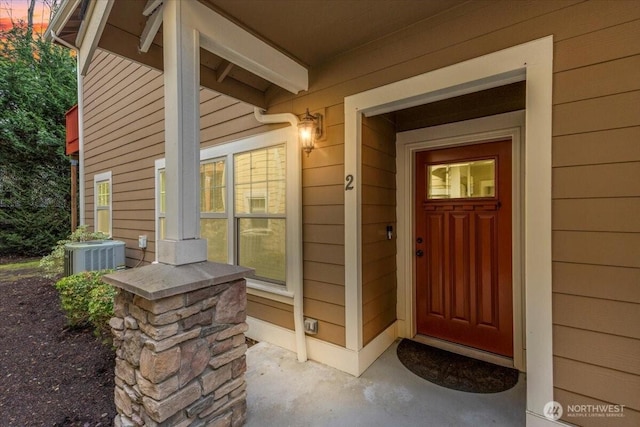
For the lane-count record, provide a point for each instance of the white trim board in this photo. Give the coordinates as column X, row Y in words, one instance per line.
column 351, row 362
column 534, row 61
column 231, row 42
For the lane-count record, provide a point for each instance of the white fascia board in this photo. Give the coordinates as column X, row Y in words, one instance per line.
column 151, row 29
column 151, row 6
column 84, row 24
column 222, row 37
column 97, row 21
column 61, row 17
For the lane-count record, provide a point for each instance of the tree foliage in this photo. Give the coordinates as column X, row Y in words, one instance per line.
column 37, row 87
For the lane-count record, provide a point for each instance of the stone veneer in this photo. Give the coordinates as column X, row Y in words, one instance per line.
column 180, row 345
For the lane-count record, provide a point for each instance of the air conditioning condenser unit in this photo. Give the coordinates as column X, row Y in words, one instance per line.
column 93, row 255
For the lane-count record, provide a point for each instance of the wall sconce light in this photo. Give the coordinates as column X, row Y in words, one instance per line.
column 309, row 129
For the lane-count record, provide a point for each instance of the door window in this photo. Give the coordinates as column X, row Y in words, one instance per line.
column 472, row 179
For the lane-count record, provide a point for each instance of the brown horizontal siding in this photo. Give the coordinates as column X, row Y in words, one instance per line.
column 324, row 311
column 146, row 85
column 320, row 252
column 321, row 291
column 595, row 80
column 609, row 43
column 596, row 237
column 614, row 249
column 587, row 115
column 329, row 234
column 323, row 195
column 317, row 177
column 596, row 214
column 378, row 211
column 588, row 148
column 323, row 272
column 330, row 332
column 612, row 386
column 597, row 281
column 606, row 316
column 608, row 180
column 270, row 311
column 323, row 229
column 323, row 215
column 615, row 352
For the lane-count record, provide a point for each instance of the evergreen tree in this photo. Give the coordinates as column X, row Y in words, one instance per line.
column 37, row 87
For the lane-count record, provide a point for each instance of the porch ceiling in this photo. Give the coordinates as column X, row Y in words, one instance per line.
column 310, row 32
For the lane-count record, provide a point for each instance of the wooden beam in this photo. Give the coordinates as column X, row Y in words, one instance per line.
column 223, row 70
column 232, row 88
column 82, row 29
column 151, row 29
column 123, row 43
column 61, row 17
column 97, row 21
column 151, row 6
column 222, row 37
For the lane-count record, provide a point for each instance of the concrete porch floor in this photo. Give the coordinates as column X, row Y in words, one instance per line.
column 283, row 392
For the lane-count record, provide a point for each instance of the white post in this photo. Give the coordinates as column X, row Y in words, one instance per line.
column 181, row 50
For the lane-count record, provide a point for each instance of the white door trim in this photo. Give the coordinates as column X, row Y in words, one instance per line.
column 504, row 126
column 535, row 61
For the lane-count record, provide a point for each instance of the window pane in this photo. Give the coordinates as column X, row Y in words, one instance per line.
column 276, row 176
column 260, row 185
column 212, row 189
column 103, row 193
column 277, row 197
column 104, row 221
column 163, row 192
column 461, row 180
column 215, row 231
column 258, row 165
column 262, row 247
column 242, row 168
column 162, row 228
column 243, row 198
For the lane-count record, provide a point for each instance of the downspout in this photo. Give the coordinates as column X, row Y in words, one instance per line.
column 81, row 189
column 298, row 315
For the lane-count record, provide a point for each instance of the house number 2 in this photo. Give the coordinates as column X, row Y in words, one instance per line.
column 349, row 180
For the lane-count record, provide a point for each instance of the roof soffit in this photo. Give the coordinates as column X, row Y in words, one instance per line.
column 312, row 32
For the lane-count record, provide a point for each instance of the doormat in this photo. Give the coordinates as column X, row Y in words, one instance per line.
column 455, row 371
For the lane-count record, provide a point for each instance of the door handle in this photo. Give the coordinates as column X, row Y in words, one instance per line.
column 419, row 252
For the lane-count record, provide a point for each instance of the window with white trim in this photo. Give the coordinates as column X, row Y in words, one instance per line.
column 249, row 207
column 102, row 202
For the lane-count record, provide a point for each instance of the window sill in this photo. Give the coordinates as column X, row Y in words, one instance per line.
column 263, row 290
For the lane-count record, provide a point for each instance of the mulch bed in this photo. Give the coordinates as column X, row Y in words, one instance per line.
column 49, row 375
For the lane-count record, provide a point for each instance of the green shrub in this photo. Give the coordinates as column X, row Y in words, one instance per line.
column 53, row 264
column 101, row 308
column 87, row 300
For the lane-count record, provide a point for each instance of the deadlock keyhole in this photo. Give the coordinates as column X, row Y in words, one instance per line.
column 419, row 252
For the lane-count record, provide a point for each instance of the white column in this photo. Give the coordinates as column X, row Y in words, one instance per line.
column 181, row 51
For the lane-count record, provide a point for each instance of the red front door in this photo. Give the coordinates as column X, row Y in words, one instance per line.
column 463, row 246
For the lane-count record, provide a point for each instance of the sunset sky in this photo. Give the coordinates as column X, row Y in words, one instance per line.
column 16, row 10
